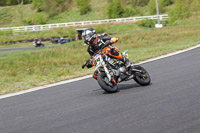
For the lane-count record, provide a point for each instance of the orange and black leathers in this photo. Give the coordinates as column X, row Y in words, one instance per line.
column 100, row 42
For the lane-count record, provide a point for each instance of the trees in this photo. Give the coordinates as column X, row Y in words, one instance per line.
column 152, row 6
column 139, row 2
column 37, row 4
column 51, row 7
column 183, row 9
column 195, row 6
column 17, row 2
column 14, row 2
column 180, row 9
column 2, row 2
column 161, row 4
column 83, row 5
column 167, row 2
column 115, row 9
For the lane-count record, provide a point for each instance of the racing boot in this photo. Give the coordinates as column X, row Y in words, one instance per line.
column 126, row 62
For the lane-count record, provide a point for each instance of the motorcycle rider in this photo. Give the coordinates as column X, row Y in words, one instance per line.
column 37, row 42
column 96, row 42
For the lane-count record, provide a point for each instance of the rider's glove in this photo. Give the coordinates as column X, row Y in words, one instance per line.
column 89, row 63
column 83, row 66
column 114, row 40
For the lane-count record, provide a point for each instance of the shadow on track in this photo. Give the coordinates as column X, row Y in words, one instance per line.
column 128, row 86
column 124, row 87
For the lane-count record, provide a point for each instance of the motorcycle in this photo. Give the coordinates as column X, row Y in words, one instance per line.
column 113, row 71
column 38, row 44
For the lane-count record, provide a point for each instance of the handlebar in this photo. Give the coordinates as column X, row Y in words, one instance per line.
column 83, row 66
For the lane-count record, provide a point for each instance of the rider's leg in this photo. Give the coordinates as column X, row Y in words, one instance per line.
column 126, row 61
column 116, row 54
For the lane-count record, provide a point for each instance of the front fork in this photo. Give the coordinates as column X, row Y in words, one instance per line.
column 106, row 70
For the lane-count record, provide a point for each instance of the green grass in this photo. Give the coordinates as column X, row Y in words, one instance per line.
column 157, row 42
column 5, row 15
column 97, row 12
column 16, row 45
column 21, row 15
column 21, row 70
column 15, row 15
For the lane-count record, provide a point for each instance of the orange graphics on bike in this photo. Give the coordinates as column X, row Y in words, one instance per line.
column 118, row 56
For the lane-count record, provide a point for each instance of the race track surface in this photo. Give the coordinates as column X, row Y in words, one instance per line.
column 171, row 104
column 22, row 48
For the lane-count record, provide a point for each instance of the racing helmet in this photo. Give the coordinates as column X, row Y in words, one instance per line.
column 89, row 35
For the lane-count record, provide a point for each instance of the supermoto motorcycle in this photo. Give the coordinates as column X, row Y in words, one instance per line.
column 113, row 71
column 38, row 44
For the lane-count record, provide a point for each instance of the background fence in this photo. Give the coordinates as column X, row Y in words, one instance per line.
column 81, row 23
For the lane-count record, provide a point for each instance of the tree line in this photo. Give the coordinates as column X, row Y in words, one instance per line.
column 115, row 9
column 54, row 7
column 14, row 2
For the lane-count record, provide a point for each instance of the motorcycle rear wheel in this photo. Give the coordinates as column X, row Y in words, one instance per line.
column 101, row 80
column 143, row 78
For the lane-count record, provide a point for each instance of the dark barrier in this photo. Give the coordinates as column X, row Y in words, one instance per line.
column 53, row 40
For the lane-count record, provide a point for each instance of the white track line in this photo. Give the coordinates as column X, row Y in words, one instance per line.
column 89, row 76
column 170, row 54
column 44, row 87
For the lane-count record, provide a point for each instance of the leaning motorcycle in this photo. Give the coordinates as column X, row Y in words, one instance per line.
column 38, row 44
column 113, row 71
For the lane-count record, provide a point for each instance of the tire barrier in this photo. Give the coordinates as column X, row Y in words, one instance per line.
column 53, row 40
column 60, row 40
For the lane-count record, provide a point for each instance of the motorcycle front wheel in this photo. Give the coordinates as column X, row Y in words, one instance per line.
column 143, row 78
column 102, row 79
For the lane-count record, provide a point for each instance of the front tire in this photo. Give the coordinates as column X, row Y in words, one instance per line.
column 143, row 78
column 101, row 80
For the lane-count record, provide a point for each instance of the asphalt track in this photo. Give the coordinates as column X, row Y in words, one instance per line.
column 22, row 48
column 171, row 104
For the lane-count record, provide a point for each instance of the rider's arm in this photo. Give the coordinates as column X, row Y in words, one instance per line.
column 90, row 51
column 88, row 63
column 109, row 40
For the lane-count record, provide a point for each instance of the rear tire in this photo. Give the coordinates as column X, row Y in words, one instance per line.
column 101, row 77
column 144, row 78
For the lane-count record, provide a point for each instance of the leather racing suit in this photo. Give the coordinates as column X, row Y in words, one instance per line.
column 102, row 40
